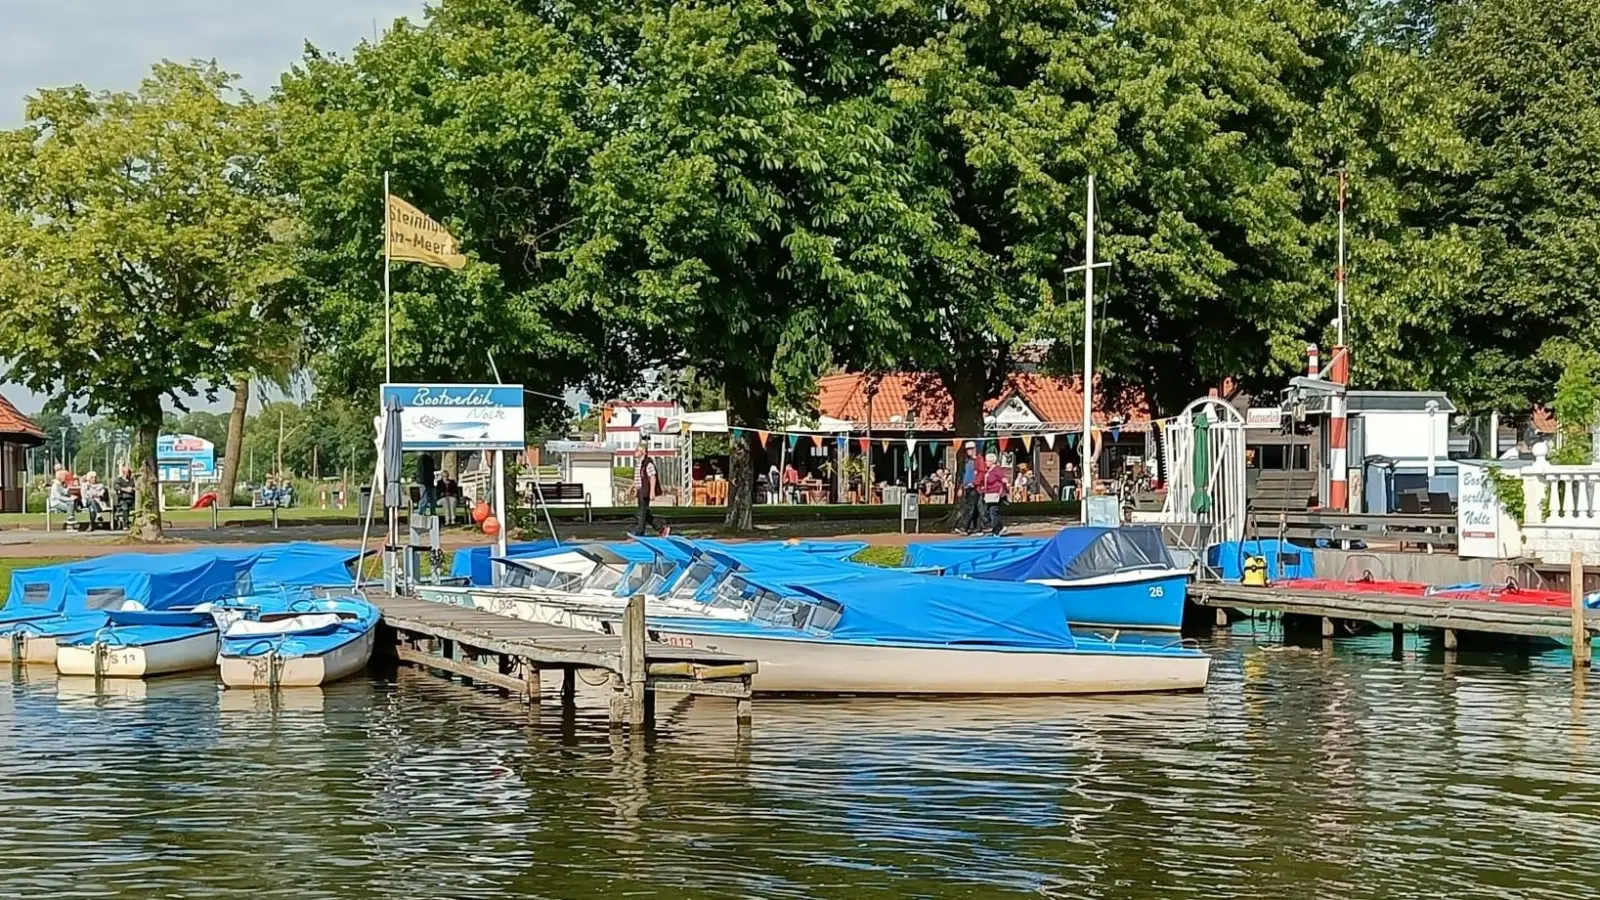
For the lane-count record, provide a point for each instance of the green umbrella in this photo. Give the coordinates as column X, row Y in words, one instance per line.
column 1201, row 502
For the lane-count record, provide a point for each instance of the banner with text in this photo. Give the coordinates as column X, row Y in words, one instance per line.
column 415, row 237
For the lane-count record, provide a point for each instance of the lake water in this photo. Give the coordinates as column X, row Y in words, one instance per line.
column 1298, row 774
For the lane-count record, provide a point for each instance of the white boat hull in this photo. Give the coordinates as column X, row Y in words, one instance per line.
column 298, row 671
column 32, row 650
column 832, row 667
column 187, row 654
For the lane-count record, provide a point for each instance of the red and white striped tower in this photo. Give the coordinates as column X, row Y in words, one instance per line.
column 1313, row 361
column 1339, row 432
column 1339, row 374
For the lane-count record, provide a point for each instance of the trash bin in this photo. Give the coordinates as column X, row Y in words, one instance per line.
column 365, row 506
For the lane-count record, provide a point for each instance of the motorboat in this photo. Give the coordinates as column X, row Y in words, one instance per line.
column 1104, row 577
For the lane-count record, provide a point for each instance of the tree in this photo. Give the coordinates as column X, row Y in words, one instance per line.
column 141, row 249
column 480, row 118
column 57, row 426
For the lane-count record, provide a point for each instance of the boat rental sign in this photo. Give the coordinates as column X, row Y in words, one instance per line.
column 458, row 416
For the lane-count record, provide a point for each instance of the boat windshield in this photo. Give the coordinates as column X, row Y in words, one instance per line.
column 603, row 578
column 732, row 593
column 791, row 612
column 693, row 578
column 540, row 577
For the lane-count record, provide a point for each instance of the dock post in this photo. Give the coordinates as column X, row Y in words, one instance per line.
column 1222, row 617
column 633, row 662
column 1399, row 648
column 742, row 717
column 1451, row 641
column 569, row 686
column 530, row 677
column 1327, row 627
column 1581, row 651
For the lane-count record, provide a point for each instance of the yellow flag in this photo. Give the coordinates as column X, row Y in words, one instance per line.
column 415, row 237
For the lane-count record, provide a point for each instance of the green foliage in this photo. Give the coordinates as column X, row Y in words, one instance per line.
column 144, row 251
column 1508, row 492
column 1577, row 406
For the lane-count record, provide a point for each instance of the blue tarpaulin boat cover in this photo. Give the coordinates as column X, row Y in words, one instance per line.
column 473, row 563
column 897, row 607
column 157, row 581
column 952, row 556
column 1082, row 552
column 45, row 586
column 1284, row 559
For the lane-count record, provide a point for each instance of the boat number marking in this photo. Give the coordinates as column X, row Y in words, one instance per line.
column 1157, row 591
column 679, row 641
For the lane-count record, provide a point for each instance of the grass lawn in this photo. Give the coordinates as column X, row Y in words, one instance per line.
column 9, row 565
column 881, row 556
column 191, row 517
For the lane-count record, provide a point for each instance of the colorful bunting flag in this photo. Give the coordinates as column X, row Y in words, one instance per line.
column 1116, row 433
column 792, row 439
column 762, row 435
column 1027, row 443
column 1072, row 439
column 911, row 445
column 865, row 444
column 816, row 439
column 583, row 409
column 956, row 443
column 1050, row 441
column 884, row 444
column 661, row 423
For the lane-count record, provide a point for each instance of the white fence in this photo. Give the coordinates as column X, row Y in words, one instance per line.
column 1561, row 511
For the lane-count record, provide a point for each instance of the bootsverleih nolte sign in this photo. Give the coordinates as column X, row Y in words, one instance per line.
column 458, row 416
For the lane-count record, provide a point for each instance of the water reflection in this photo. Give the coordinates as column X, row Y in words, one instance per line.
column 1352, row 774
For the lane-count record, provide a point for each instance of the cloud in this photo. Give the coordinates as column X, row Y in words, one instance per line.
column 111, row 44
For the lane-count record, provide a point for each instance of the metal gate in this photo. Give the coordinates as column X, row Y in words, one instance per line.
column 1205, row 464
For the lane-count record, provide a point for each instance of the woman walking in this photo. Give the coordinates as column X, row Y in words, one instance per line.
column 994, row 492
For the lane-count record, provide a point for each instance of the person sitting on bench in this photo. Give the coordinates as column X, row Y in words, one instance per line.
column 94, row 498
column 60, row 499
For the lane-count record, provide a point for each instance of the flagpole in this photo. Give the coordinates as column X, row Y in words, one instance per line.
column 1089, row 265
column 387, row 349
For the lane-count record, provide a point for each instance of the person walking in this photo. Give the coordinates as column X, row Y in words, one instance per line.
column 972, row 472
column 994, row 493
column 126, row 492
column 644, row 483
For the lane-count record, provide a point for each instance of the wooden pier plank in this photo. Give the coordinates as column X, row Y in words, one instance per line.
column 462, row 633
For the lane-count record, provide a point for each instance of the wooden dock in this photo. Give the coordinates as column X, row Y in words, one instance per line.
column 514, row 655
column 1453, row 616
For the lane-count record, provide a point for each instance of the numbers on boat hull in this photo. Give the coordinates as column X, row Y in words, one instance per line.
column 1157, row 590
column 677, row 640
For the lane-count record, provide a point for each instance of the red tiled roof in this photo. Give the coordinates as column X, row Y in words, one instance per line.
column 1056, row 401
column 13, row 422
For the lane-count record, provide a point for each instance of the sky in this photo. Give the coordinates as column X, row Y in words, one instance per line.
column 111, row 44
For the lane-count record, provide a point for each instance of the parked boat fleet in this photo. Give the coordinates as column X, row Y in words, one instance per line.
column 252, row 613
column 969, row 617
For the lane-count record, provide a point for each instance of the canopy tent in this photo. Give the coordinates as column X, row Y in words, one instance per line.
column 1082, row 552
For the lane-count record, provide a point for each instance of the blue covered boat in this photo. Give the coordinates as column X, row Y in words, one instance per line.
column 54, row 604
column 1103, row 577
column 888, row 633
column 313, row 642
column 140, row 643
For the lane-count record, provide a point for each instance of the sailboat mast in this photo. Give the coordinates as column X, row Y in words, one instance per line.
column 1087, row 455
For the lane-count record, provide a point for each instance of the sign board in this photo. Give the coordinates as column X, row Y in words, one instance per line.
column 1263, row 417
column 1483, row 530
column 458, row 416
column 182, row 458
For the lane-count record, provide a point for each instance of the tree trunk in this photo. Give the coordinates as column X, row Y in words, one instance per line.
column 146, row 425
column 747, row 407
column 967, row 388
column 234, row 447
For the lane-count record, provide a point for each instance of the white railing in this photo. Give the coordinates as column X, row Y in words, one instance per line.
column 1562, row 496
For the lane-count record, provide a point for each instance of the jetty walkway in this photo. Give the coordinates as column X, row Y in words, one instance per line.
column 514, row 655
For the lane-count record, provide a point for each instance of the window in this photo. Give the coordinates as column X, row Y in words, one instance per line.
column 104, row 598
column 603, row 578
column 689, row 585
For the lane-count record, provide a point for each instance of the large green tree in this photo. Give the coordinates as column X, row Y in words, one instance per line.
column 481, row 118
column 140, row 249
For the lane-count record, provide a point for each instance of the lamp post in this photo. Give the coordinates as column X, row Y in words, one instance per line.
column 1432, row 406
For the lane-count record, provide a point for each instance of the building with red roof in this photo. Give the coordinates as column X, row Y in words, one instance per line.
column 17, row 434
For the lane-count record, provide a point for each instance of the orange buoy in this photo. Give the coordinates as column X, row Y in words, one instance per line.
column 491, row 526
column 480, row 511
